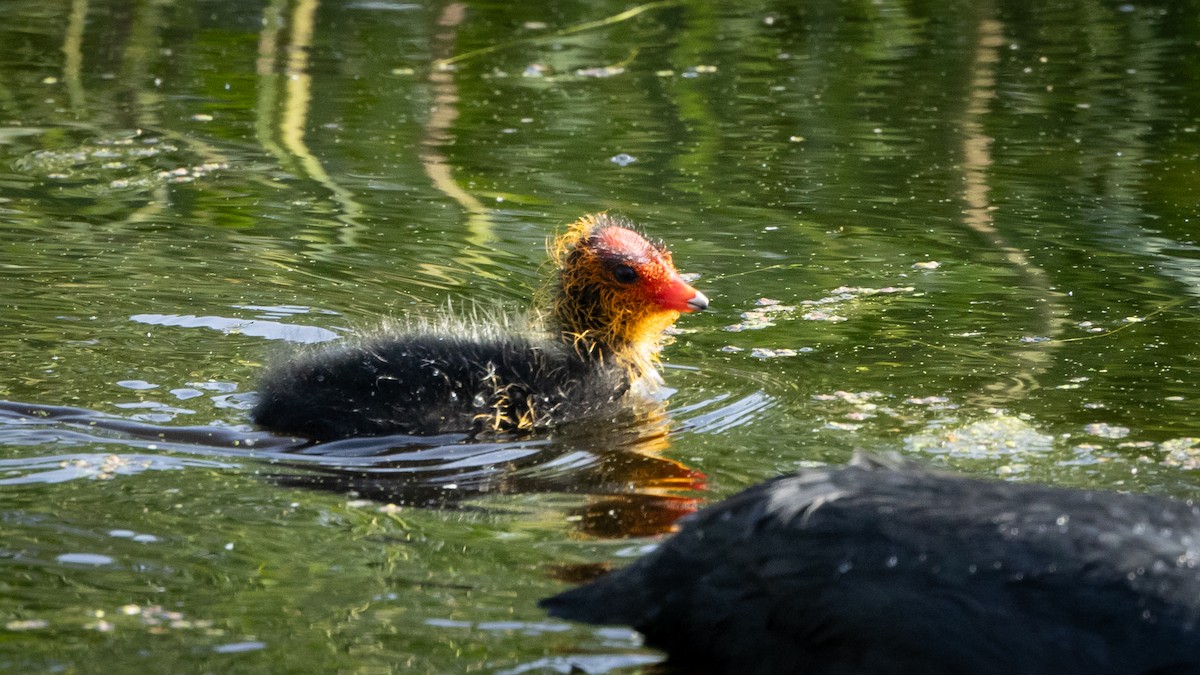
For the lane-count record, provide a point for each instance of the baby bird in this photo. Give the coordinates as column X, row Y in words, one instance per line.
column 613, row 295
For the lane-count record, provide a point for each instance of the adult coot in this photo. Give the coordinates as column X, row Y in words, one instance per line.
column 613, row 295
column 884, row 568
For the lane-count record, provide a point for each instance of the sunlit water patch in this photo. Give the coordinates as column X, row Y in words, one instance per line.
column 61, row 468
column 271, row 330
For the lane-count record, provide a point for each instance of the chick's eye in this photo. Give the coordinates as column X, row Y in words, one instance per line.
column 625, row 274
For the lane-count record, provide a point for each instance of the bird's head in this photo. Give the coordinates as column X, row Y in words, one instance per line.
column 617, row 291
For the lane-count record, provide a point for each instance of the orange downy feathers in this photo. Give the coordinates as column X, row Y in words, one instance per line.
column 617, row 292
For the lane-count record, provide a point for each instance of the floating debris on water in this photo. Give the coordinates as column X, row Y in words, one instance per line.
column 697, row 71
column 761, row 317
column 768, row 310
column 818, row 315
column 860, row 406
column 1104, row 430
column 1182, row 452
column 852, row 397
column 755, row 323
column 844, row 293
column 26, row 624
column 1000, row 436
column 602, row 71
column 927, row 400
column 766, row 353
column 138, row 155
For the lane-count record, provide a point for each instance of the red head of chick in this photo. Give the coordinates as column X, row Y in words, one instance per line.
column 617, row 292
column 613, row 296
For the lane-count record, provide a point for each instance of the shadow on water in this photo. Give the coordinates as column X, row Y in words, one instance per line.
column 629, row 488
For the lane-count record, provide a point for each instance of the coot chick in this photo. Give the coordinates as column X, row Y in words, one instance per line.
column 879, row 568
column 613, row 295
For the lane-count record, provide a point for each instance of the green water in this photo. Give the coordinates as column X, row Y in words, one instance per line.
column 962, row 230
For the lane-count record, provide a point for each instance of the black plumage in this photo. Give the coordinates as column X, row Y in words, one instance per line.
column 428, row 383
column 875, row 568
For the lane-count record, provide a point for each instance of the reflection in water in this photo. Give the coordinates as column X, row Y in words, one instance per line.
column 289, row 117
column 437, row 130
column 978, row 217
column 73, row 53
column 631, row 490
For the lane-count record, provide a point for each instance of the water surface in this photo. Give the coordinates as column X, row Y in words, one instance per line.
column 965, row 231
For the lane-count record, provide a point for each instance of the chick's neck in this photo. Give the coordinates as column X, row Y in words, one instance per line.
column 593, row 320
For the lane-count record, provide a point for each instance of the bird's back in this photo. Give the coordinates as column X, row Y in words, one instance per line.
column 872, row 570
column 428, row 383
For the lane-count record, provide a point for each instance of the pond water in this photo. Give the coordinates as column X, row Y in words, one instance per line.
column 961, row 230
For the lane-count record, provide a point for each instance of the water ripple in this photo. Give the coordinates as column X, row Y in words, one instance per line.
column 616, row 466
column 62, row 468
column 728, row 416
